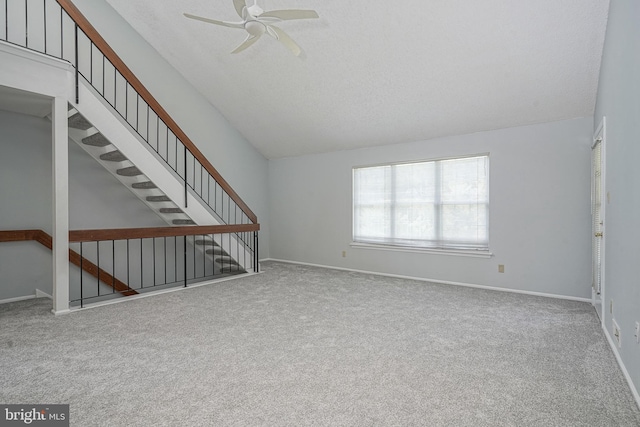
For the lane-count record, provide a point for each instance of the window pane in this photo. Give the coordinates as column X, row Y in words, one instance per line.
column 372, row 203
column 465, row 225
column 437, row 204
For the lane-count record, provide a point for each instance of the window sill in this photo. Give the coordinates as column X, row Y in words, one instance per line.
column 451, row 252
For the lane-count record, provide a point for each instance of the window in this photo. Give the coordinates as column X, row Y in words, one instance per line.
column 441, row 204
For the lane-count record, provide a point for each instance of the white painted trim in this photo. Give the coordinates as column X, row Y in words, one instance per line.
column 32, row 55
column 60, row 214
column 16, row 299
column 158, row 292
column 41, row 294
column 444, row 282
column 601, row 132
column 450, row 252
column 38, row 294
column 623, row 368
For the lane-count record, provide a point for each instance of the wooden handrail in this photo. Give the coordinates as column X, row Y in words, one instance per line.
column 110, row 54
column 74, row 257
column 145, row 233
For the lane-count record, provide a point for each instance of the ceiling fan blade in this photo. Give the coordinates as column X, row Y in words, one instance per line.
column 289, row 14
column 284, row 39
column 246, row 43
column 213, row 21
column 240, row 6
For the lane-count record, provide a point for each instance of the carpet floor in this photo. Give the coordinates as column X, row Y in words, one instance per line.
column 299, row 345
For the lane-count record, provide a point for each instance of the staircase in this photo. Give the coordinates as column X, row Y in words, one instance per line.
column 117, row 121
column 138, row 168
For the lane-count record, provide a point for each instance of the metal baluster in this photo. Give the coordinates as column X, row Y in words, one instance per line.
column 81, row 277
column 113, row 268
column 26, row 24
column 255, row 252
column 175, row 256
column 128, row 269
column 154, row 261
column 44, row 11
column 98, row 265
column 185, row 260
column 76, row 60
column 141, row 266
column 185, row 177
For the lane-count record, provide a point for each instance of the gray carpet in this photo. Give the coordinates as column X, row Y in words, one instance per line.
column 307, row 346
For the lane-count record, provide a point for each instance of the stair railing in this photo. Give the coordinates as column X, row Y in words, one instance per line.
column 57, row 28
column 129, row 261
column 156, row 258
column 75, row 258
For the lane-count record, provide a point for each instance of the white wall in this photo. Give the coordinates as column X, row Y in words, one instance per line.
column 233, row 156
column 25, row 203
column 97, row 200
column 619, row 100
column 540, row 209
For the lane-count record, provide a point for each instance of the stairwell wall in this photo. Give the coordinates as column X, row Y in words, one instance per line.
column 96, row 200
column 25, row 203
column 231, row 154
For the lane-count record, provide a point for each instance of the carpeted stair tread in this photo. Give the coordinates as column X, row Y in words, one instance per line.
column 96, row 140
column 183, row 222
column 145, row 185
column 158, row 199
column 206, row 242
column 171, row 210
column 215, row 251
column 77, row 121
column 225, row 259
column 113, row 156
column 129, row 171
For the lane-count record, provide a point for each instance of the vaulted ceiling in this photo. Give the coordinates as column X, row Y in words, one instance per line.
column 383, row 72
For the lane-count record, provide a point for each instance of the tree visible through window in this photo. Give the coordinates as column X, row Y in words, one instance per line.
column 441, row 204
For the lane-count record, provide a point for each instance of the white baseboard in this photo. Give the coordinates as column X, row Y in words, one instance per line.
column 623, row 368
column 38, row 294
column 445, row 282
column 41, row 294
column 16, row 299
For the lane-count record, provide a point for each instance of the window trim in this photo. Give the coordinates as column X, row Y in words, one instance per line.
column 473, row 253
column 477, row 253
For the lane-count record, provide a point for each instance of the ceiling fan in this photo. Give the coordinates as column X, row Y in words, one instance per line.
column 257, row 22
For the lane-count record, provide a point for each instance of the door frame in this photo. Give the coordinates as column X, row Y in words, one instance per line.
column 600, row 135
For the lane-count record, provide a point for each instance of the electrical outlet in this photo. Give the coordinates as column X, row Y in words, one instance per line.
column 500, row 268
column 344, row 254
column 637, row 334
column 617, row 335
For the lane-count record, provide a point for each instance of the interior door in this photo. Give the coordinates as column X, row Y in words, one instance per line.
column 597, row 214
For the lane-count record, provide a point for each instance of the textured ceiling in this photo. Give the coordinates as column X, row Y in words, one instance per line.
column 383, row 72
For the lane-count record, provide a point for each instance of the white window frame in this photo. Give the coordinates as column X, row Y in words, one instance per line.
column 483, row 252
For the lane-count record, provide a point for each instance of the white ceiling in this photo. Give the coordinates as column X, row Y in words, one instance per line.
column 383, row 72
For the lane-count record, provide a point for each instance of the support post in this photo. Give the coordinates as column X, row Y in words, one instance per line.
column 60, row 139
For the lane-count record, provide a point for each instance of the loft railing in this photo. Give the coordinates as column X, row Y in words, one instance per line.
column 75, row 258
column 130, row 261
column 155, row 258
column 57, row 28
